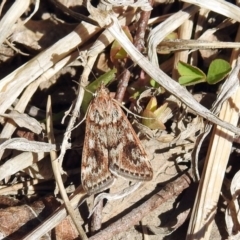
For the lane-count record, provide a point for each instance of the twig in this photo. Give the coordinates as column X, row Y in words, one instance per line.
column 132, row 218
column 138, row 43
column 56, row 171
column 15, row 49
column 57, row 216
column 96, row 222
column 183, row 44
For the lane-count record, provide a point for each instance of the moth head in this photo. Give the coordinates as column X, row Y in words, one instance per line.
column 102, row 90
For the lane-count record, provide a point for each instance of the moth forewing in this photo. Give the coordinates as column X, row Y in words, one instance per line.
column 111, row 147
column 128, row 158
column 95, row 174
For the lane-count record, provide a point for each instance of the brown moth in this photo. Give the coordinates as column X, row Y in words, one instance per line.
column 111, row 146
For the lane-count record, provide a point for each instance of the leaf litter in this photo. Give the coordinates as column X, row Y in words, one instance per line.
column 40, row 58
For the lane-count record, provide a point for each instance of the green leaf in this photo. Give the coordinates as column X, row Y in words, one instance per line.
column 154, row 84
column 92, row 87
column 190, row 80
column 218, row 70
column 190, row 75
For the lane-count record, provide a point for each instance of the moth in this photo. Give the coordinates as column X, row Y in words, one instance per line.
column 111, row 147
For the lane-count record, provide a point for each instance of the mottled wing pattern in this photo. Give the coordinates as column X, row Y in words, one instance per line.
column 127, row 157
column 111, row 147
column 95, row 172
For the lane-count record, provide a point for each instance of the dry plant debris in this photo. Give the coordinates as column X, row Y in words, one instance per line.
column 46, row 46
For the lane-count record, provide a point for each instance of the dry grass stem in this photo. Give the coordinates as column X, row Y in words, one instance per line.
column 45, row 50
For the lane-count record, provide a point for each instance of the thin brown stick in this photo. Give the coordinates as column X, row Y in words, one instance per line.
column 96, row 222
column 139, row 44
column 132, row 218
column 56, row 170
column 138, row 41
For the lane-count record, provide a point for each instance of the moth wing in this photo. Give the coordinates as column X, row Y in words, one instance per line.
column 95, row 174
column 127, row 157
